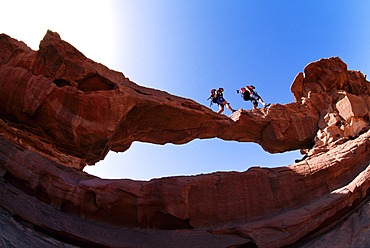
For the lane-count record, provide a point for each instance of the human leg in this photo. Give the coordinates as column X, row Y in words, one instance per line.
column 261, row 101
column 220, row 108
column 224, row 102
column 255, row 105
column 229, row 107
column 265, row 105
column 254, row 102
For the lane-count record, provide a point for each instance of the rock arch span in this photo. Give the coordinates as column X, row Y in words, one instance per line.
column 50, row 132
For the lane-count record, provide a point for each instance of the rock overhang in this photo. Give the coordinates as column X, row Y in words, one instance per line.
column 61, row 110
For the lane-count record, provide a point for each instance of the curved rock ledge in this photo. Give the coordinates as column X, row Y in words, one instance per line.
column 60, row 111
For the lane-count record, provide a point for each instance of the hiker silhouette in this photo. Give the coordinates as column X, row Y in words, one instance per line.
column 249, row 93
column 217, row 96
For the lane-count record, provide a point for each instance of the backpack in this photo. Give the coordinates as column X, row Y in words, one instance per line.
column 213, row 97
column 246, row 96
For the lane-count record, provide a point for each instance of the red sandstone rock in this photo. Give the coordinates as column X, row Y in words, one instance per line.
column 61, row 111
column 67, row 96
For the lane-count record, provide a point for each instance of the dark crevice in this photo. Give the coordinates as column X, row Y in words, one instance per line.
column 142, row 93
column 18, row 183
column 42, row 195
column 95, row 82
column 40, row 192
column 68, row 207
column 169, row 222
column 61, row 82
column 67, row 237
column 249, row 244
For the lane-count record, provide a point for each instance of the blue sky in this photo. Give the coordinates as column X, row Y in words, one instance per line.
column 188, row 47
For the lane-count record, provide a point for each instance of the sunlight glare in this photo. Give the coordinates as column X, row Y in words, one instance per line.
column 87, row 25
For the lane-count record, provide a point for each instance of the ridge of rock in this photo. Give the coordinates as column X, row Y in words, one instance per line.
column 61, row 111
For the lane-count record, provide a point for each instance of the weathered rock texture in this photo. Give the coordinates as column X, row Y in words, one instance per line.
column 60, row 111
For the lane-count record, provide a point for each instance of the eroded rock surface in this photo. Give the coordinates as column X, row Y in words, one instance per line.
column 61, row 111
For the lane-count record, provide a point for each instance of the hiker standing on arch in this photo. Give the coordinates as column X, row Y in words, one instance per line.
column 217, row 96
column 248, row 93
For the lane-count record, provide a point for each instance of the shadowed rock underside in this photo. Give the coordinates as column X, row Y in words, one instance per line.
column 61, row 111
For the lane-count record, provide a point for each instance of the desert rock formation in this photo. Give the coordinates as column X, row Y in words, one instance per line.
column 61, row 111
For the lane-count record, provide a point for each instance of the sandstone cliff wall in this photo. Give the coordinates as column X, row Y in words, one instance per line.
column 61, row 111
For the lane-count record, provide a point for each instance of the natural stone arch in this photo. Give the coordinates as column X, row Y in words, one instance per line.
column 47, row 139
